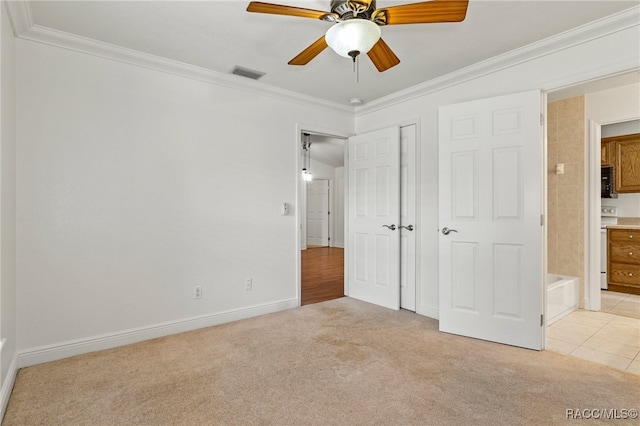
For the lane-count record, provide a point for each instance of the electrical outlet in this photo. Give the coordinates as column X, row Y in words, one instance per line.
column 248, row 284
column 197, row 292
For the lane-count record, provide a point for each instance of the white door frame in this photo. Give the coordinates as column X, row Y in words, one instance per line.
column 592, row 258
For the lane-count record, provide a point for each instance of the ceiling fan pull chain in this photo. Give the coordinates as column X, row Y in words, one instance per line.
column 356, row 64
column 355, row 67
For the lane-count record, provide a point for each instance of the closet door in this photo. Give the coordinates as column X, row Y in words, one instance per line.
column 408, row 217
column 374, row 217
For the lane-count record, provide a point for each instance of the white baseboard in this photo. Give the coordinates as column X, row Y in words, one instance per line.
column 39, row 355
column 429, row 311
column 7, row 385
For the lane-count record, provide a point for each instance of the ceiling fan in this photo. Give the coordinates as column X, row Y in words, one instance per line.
column 358, row 22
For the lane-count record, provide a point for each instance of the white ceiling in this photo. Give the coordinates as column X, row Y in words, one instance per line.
column 327, row 150
column 218, row 35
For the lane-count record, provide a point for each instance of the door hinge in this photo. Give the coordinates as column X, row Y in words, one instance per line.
column 541, row 320
column 542, row 119
column 541, row 220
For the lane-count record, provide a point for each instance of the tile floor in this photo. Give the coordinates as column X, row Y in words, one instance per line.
column 627, row 305
column 610, row 337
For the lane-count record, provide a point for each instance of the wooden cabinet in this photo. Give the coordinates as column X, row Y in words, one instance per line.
column 607, row 150
column 623, row 260
column 624, row 155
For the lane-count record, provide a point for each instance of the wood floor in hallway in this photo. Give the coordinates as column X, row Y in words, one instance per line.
column 322, row 274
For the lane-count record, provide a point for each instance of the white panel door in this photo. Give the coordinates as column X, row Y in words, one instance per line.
column 374, row 215
column 490, row 198
column 408, row 217
column 318, row 213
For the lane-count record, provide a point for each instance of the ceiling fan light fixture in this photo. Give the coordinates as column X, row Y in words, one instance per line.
column 353, row 35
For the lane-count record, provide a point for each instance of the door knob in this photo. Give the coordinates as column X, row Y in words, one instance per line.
column 446, row 230
column 392, row 227
column 408, row 227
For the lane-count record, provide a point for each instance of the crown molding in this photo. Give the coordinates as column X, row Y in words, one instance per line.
column 620, row 21
column 24, row 28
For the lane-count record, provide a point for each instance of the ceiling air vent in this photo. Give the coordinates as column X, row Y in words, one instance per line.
column 246, row 72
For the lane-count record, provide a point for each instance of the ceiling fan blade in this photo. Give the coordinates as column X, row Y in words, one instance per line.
column 310, row 52
column 276, row 9
column 423, row 13
column 382, row 56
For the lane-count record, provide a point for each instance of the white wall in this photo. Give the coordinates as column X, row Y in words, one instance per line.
column 135, row 186
column 624, row 128
column 321, row 170
column 7, row 209
column 614, row 105
column 628, row 204
column 563, row 67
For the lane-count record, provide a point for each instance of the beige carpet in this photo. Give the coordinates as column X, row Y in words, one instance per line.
column 342, row 362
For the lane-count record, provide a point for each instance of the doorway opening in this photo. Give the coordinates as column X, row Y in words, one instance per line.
column 607, row 322
column 322, row 212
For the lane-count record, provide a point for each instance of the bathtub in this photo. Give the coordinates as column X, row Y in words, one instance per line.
column 562, row 296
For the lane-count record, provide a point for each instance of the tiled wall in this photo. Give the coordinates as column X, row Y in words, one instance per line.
column 566, row 192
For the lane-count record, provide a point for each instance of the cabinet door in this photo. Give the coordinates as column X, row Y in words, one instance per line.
column 623, row 260
column 627, row 163
column 624, row 252
column 624, row 235
column 605, row 152
column 625, row 275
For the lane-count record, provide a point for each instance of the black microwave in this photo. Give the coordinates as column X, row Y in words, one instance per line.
column 607, row 186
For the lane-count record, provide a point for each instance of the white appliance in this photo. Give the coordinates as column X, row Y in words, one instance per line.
column 608, row 216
